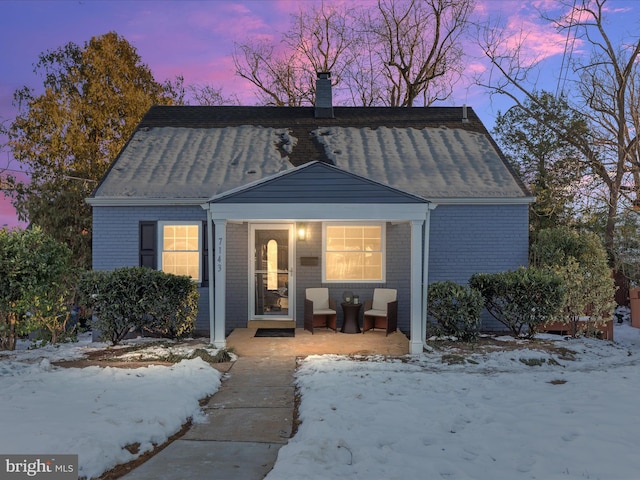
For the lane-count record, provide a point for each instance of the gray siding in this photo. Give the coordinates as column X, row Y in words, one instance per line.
column 398, row 265
column 464, row 240
column 477, row 239
column 319, row 183
column 115, row 240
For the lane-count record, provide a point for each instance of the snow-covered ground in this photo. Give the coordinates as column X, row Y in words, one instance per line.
column 95, row 412
column 505, row 415
column 512, row 414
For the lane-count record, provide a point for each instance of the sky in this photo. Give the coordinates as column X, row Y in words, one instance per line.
column 195, row 39
column 513, row 412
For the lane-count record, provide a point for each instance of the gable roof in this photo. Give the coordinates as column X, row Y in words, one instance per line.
column 332, row 185
column 194, row 153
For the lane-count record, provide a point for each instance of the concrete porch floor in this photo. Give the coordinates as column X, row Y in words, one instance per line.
column 323, row 341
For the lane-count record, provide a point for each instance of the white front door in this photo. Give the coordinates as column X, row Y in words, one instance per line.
column 271, row 284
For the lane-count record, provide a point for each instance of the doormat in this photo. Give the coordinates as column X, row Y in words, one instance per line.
column 275, row 332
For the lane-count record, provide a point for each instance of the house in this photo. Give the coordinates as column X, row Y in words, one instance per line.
column 259, row 203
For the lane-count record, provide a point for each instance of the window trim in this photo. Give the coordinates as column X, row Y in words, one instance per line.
column 383, row 234
column 160, row 243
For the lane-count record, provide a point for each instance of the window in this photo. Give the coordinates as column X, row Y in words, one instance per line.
column 180, row 248
column 354, row 252
column 272, row 265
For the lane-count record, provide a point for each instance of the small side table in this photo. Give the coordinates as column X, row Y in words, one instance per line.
column 351, row 323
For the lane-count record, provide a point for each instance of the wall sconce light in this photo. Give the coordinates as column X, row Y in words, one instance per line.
column 302, row 232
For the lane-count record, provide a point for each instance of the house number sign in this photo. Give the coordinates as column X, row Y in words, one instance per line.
column 219, row 256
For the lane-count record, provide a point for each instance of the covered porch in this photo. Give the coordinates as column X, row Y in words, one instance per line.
column 323, row 196
column 323, row 341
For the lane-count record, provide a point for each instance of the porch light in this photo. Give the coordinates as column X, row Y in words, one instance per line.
column 302, row 232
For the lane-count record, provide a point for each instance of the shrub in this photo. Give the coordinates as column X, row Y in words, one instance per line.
column 116, row 299
column 581, row 261
column 522, row 299
column 36, row 280
column 173, row 304
column 456, row 308
column 131, row 298
column 52, row 310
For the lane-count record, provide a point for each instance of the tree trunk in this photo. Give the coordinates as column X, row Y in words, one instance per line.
column 8, row 339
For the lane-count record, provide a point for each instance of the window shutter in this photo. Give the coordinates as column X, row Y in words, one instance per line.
column 148, row 244
column 205, row 256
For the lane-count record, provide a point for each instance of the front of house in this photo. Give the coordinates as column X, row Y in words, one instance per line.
column 257, row 204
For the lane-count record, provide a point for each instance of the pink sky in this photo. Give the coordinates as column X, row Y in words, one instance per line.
column 195, row 39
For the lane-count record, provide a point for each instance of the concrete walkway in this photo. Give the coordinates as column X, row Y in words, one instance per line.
column 251, row 415
column 250, row 418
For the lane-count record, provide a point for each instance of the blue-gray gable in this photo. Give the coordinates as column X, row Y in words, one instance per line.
column 317, row 182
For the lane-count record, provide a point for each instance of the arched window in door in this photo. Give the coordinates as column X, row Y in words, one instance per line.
column 272, row 265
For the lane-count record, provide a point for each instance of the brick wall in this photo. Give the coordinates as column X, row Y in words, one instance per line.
column 464, row 240
column 477, row 239
column 115, row 241
column 398, row 257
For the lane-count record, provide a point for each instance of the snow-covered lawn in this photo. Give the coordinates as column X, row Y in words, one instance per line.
column 95, row 412
column 511, row 414
column 505, row 415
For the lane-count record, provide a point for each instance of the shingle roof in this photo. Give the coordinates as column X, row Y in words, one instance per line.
column 202, row 151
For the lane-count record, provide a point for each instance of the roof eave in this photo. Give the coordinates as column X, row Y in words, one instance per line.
column 481, row 200
column 142, row 202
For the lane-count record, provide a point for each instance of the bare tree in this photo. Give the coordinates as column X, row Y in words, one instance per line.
column 276, row 76
column 318, row 41
column 419, row 47
column 323, row 38
column 391, row 54
column 364, row 76
column 605, row 91
column 209, row 95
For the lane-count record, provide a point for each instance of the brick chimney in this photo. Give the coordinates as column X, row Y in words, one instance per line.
column 324, row 99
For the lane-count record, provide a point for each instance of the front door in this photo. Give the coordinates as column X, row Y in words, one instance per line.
column 271, row 285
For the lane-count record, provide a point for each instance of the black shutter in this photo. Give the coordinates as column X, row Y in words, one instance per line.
column 148, row 244
column 205, row 256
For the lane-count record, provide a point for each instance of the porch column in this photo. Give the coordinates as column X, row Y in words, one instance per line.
column 416, row 341
column 218, row 338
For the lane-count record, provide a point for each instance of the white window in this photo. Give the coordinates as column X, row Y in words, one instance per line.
column 180, row 247
column 354, row 252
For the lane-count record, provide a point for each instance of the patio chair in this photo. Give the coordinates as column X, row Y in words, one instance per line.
column 382, row 311
column 319, row 310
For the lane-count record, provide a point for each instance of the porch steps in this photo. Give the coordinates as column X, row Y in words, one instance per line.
column 271, row 324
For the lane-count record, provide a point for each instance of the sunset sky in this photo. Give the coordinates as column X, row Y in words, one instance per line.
column 196, row 38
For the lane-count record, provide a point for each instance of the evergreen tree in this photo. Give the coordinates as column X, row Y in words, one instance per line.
column 551, row 167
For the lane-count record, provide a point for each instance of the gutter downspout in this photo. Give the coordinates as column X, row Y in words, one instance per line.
column 425, row 274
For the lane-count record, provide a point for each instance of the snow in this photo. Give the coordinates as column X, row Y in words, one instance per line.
column 525, row 413
column 196, row 163
column 440, row 162
column 95, row 412
column 494, row 418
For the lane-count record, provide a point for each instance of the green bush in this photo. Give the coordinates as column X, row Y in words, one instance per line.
column 456, row 308
column 522, row 299
column 173, row 304
column 36, row 284
column 133, row 298
column 581, row 261
column 116, row 299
